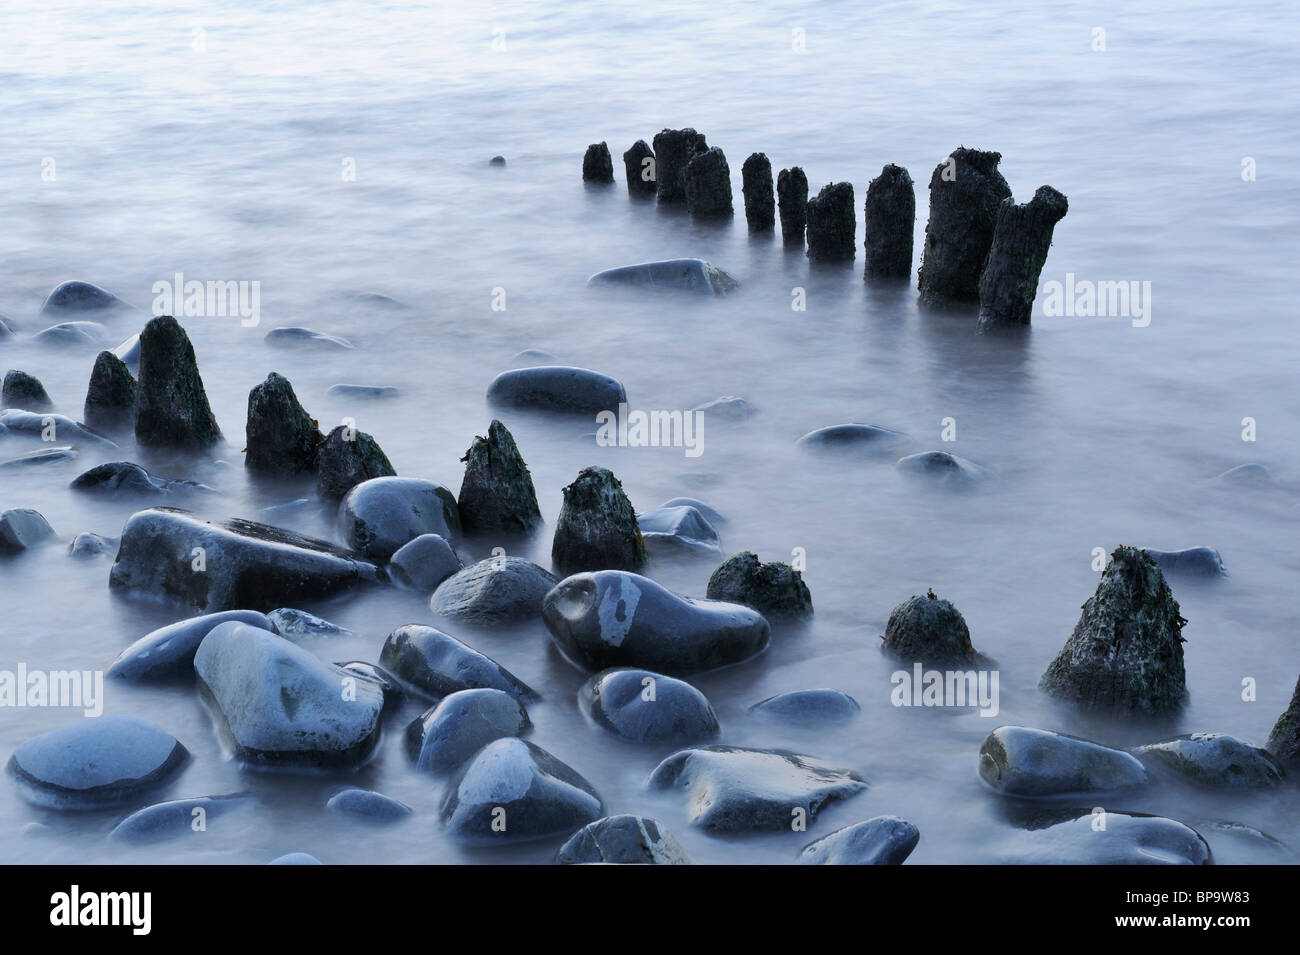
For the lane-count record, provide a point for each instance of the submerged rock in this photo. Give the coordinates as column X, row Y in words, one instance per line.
column 448, row 734
column 497, row 495
column 678, row 275
column 96, row 764
column 792, row 202
column 437, row 664
column 1126, row 652
column 1102, row 837
column 1284, row 740
column 1214, row 761
column 389, row 685
column 72, row 334
column 707, row 183
column 297, row 625
column 731, row 407
column 292, row 335
column 368, row 806
column 283, row 440
column 729, row 789
column 597, row 164
column 556, row 388
column 177, row 817
column 110, row 397
column 495, row 590
column 125, row 478
column 614, row 618
column 48, row 426
column 640, row 175
column 171, row 554
column 932, row 632
column 966, row 193
column 884, row 840
column 1021, row 238
column 55, row 455
column 647, row 707
column 424, row 563
column 943, row 468
column 295, row 858
column 171, row 407
column 86, row 545
column 890, row 218
column 597, row 528
column 1192, row 562
column 773, row 589
column 347, row 457
column 168, row 652
column 677, row 529
column 23, row 391
column 283, row 707
column 513, row 791
column 622, row 840
column 1020, row 761
column 22, row 528
column 756, row 183
column 380, row 515
column 363, row 391
column 832, row 224
column 673, row 149
column 864, row 437
column 808, row 708
column 712, row 515
column 79, row 297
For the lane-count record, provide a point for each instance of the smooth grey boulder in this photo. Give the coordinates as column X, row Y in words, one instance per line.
column 282, row 438
column 966, row 193
column 437, row 664
column 176, row 817
column 168, row 652
column 96, row 763
column 614, row 618
column 598, row 164
column 622, row 840
column 110, row 396
column 512, row 791
column 1103, row 837
column 492, row 591
column 1202, row 562
column 306, row 337
column 363, row 391
column 677, row 529
column 126, row 479
column 706, row 181
column 78, row 296
column 597, row 527
column 673, row 149
column 792, row 204
column 449, row 733
column 497, row 494
column 774, row 589
column 711, row 514
column 1021, row 237
column 647, row 707
column 729, row 789
column 368, row 806
column 22, row 528
column 884, row 840
column 832, row 224
column 930, row 631
column 72, row 335
column 1214, row 761
column 856, row 437
column 678, row 275
column 943, row 469
column 86, row 545
column 756, row 184
column 281, row 707
column 1284, row 738
column 1021, row 761
column 808, row 708
column 348, row 457
column 890, row 217
column 640, row 175
column 48, row 426
column 558, row 388
column 380, row 515
column 298, row 625
column 171, row 406
column 243, row 563
column 1126, row 652
column 24, row 392
column 389, row 685
column 424, row 563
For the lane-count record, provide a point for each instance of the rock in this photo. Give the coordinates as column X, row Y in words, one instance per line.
column 889, row 216
column 110, row 397
column 246, row 564
column 730, row 407
column 808, row 708
column 347, row 457
column 832, row 224
column 513, row 791
column 774, row 589
column 363, row 391
column 678, row 275
column 932, row 632
column 497, row 161
column 884, row 840
column 712, row 515
column 6, row 331
column 80, row 297
column 283, row 707
column 438, row 665
column 167, row 820
column 1020, row 761
column 640, row 175
column 1128, row 838
column 622, row 840
column 1214, row 761
column 168, row 652
column 647, row 707
column 756, row 183
column 673, row 149
column 534, row 356
column 1126, row 652
column 707, row 183
column 729, row 789
column 297, row 625
column 1192, row 562
column 380, row 515
column 96, row 763
column 171, row 407
column 86, row 545
column 307, row 337
column 124, row 478
column 966, row 193
column 1284, row 740
column 51, row 427
column 597, row 164
column 679, row 529
column 856, row 437
column 792, row 203
column 296, row 858
column 55, row 455
column 497, row 495
column 448, row 734
column 22, row 528
column 72, row 335
column 128, row 352
column 424, row 563
column 943, row 469
column 1248, row 475
column 25, row 392
column 597, row 528
column 368, row 806
column 556, row 388
column 492, row 591
column 283, row 439
column 389, row 685
column 1021, row 238
column 614, row 618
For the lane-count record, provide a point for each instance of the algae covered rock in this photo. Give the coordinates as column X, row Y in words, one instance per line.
column 497, row 494
column 773, row 589
column 931, row 631
column 597, row 528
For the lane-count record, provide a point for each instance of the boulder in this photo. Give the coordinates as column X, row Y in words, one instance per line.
column 1020, row 761
column 497, row 495
column 22, row 528
column 1284, row 739
column 492, row 591
column 646, row 707
column 932, row 632
column 943, row 469
column 774, row 589
column 177, row 817
column 380, row 515
column 855, row 437
column 1213, row 761
column 23, row 391
column 449, row 733
column 347, row 457
column 293, row 336
column 437, row 664
column 368, row 806
column 282, row 439
column 79, row 297
column 808, row 708
column 110, row 397
column 171, row 407
column 168, row 652
column 1103, row 837
column 622, row 840
column 423, row 563
column 677, row 529
column 1203, row 562
column 597, row 528
column 884, row 840
column 676, row 275
column 120, row 479
column 556, row 388
column 48, row 426
column 299, row 625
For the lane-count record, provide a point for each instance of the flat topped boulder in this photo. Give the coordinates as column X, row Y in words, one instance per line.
column 679, row 275
column 495, row 590
column 171, row 554
column 559, row 388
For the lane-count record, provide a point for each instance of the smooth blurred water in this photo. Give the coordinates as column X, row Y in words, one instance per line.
column 226, row 163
